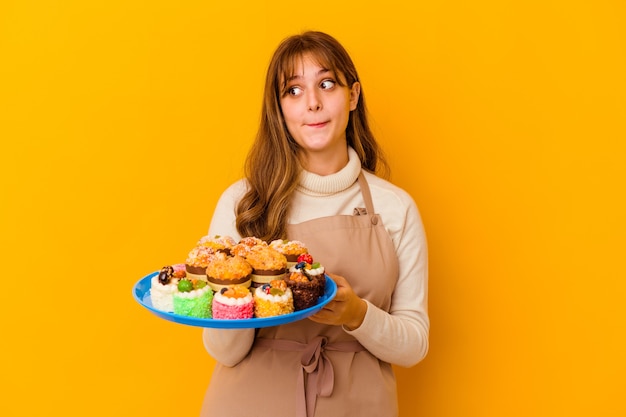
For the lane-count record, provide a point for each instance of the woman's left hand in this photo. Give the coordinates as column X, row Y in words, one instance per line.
column 346, row 309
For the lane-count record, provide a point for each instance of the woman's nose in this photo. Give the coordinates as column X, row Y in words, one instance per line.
column 314, row 102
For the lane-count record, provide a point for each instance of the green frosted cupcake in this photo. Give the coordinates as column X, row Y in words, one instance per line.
column 193, row 302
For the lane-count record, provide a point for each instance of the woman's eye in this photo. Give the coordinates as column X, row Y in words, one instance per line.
column 327, row 84
column 294, row 91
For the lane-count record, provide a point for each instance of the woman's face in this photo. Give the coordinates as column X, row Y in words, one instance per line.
column 316, row 109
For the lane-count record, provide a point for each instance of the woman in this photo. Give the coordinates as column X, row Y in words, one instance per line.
column 310, row 176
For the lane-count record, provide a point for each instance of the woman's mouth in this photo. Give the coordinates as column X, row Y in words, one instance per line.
column 317, row 125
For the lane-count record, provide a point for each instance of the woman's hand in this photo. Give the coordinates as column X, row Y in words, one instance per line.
column 346, row 309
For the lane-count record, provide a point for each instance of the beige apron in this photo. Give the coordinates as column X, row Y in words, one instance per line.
column 306, row 369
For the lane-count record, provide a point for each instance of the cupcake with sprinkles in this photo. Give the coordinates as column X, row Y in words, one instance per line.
column 233, row 303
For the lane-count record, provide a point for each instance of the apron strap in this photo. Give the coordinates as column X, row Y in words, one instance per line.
column 367, row 197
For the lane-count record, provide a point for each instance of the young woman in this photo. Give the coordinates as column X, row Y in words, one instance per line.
column 311, row 176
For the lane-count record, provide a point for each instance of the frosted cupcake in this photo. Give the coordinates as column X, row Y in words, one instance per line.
column 307, row 282
column 194, row 298
column 233, row 303
column 273, row 299
column 164, row 285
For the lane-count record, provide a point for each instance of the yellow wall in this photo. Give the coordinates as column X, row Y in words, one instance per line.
column 122, row 121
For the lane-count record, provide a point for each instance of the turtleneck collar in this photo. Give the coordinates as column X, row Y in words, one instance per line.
column 318, row 185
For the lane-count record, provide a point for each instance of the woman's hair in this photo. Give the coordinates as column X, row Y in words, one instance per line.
column 272, row 167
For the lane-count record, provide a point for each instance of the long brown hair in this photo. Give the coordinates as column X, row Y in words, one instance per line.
column 272, row 168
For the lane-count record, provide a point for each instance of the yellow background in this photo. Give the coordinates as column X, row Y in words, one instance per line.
column 122, row 121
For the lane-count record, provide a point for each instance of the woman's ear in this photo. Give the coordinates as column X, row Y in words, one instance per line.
column 355, row 92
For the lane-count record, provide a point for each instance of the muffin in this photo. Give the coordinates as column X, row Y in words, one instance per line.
column 267, row 264
column 290, row 248
column 217, row 243
column 197, row 260
column 227, row 271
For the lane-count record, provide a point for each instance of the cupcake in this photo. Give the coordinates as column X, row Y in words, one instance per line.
column 227, row 271
column 267, row 264
column 194, row 298
column 164, row 285
column 307, row 283
column 197, row 260
column 273, row 299
column 290, row 248
column 217, row 243
column 245, row 245
column 233, row 303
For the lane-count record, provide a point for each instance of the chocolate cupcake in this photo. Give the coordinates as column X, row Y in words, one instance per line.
column 306, row 288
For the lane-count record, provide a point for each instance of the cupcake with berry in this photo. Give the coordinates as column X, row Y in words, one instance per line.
column 290, row 248
column 273, row 299
column 225, row 271
column 233, row 303
column 194, row 298
column 307, row 282
column 267, row 264
column 164, row 285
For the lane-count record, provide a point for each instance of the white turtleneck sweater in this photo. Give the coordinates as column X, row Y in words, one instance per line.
column 399, row 336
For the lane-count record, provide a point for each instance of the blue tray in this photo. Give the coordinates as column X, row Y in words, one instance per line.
column 141, row 293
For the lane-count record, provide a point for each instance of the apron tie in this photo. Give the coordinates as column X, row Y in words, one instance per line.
column 316, row 364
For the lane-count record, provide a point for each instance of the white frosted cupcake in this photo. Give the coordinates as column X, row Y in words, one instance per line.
column 164, row 285
column 273, row 299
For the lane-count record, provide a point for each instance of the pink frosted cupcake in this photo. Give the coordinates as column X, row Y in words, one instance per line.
column 233, row 303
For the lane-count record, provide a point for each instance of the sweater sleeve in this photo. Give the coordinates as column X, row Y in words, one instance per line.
column 227, row 346
column 401, row 335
